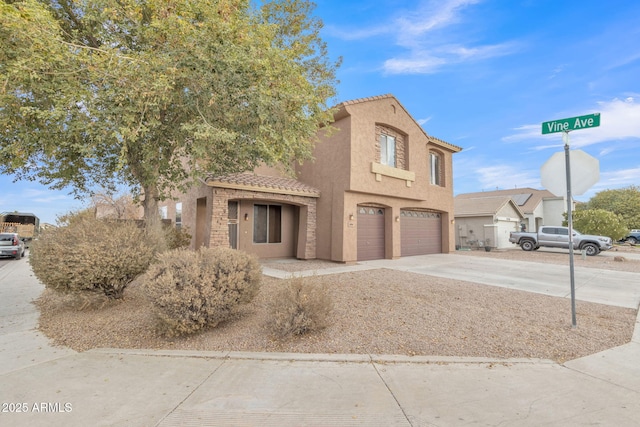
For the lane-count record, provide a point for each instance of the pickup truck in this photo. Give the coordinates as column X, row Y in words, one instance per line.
column 633, row 237
column 558, row 237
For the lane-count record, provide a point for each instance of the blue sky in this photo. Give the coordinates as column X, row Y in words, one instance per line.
column 482, row 75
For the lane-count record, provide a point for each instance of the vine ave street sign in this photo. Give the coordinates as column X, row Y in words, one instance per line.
column 572, row 123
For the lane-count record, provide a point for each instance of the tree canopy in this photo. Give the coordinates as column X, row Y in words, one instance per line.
column 155, row 94
column 624, row 202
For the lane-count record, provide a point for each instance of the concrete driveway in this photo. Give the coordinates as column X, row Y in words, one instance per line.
column 617, row 288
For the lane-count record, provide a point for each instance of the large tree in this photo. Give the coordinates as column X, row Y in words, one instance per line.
column 157, row 93
column 624, row 202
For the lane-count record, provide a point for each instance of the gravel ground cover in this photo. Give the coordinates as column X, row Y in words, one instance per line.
column 374, row 312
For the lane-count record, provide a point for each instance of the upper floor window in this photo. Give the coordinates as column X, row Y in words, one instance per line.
column 388, row 150
column 436, row 169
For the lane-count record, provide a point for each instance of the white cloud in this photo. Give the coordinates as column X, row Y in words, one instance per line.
column 620, row 178
column 428, row 47
column 360, row 34
column 429, row 61
column 419, row 65
column 619, row 119
column 474, row 173
column 497, row 176
column 431, row 16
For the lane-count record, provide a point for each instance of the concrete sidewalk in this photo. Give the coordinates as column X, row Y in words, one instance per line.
column 112, row 387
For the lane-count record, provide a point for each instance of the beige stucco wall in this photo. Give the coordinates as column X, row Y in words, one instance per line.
column 553, row 210
column 347, row 172
column 470, row 230
column 342, row 171
column 199, row 231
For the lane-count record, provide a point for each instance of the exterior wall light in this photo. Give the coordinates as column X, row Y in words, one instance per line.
column 246, row 217
column 397, row 219
column 350, row 217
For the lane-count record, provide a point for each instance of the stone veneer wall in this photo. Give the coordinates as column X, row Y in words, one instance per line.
column 400, row 145
column 219, row 218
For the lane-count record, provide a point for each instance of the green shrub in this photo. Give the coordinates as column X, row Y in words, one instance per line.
column 299, row 307
column 191, row 290
column 88, row 254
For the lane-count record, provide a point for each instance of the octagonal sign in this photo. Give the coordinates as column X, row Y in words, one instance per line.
column 585, row 171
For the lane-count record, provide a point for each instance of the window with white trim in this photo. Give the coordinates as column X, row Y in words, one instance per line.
column 388, row 150
column 435, row 169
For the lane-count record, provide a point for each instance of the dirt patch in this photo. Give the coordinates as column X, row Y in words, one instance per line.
column 375, row 312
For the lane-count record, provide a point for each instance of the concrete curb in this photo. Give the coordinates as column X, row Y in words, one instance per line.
column 321, row 357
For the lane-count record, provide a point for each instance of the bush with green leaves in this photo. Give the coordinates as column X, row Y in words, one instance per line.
column 300, row 306
column 191, row 290
column 624, row 202
column 86, row 254
column 599, row 222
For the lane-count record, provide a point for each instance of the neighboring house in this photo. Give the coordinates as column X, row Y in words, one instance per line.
column 379, row 187
column 539, row 207
column 486, row 221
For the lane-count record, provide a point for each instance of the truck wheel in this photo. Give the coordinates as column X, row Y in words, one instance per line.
column 591, row 249
column 527, row 245
column 632, row 241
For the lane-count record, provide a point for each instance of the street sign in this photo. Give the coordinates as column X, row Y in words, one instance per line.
column 583, row 174
column 572, row 123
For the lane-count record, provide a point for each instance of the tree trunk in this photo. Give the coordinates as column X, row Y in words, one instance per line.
column 150, row 205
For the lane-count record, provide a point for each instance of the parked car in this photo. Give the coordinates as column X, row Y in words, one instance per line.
column 558, row 237
column 11, row 245
column 633, row 237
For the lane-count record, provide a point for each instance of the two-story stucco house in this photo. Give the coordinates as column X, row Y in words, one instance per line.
column 379, row 187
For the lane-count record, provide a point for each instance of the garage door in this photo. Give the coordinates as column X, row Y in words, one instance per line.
column 370, row 233
column 504, row 228
column 420, row 233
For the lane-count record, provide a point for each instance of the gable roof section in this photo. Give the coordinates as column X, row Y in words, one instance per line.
column 342, row 112
column 482, row 206
column 263, row 184
column 527, row 199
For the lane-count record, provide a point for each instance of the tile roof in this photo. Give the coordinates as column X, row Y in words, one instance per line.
column 479, row 206
column 531, row 197
column 263, row 183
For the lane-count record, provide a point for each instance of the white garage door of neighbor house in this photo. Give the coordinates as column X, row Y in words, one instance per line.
column 370, row 233
column 420, row 233
column 504, row 228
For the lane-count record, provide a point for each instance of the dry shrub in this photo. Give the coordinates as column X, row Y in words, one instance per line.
column 90, row 255
column 191, row 290
column 300, row 306
column 177, row 237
